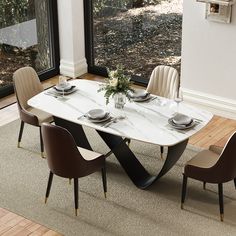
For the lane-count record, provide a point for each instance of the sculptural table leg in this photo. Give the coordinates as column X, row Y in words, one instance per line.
column 76, row 130
column 134, row 169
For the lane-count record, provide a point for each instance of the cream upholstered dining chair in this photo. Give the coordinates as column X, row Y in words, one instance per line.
column 216, row 166
column 27, row 84
column 164, row 82
column 67, row 160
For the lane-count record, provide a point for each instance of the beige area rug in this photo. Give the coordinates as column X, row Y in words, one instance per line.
column 126, row 211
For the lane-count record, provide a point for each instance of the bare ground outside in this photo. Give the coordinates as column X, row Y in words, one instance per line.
column 140, row 38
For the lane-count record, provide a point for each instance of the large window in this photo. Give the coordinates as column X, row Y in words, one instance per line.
column 139, row 34
column 28, row 37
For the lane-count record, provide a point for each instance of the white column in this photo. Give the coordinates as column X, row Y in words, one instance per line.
column 71, row 37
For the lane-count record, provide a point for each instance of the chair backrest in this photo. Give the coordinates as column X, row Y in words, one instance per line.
column 26, row 84
column 62, row 154
column 164, row 82
column 225, row 168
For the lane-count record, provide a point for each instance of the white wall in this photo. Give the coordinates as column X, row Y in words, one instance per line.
column 71, row 35
column 209, row 60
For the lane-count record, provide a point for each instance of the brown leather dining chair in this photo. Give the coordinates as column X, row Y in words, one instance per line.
column 214, row 166
column 67, row 160
column 27, row 84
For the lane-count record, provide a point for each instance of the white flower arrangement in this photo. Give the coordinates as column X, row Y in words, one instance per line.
column 117, row 82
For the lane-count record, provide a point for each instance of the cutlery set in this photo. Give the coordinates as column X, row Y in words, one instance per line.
column 107, row 123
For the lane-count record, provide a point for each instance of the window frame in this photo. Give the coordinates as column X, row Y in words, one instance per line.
column 54, row 46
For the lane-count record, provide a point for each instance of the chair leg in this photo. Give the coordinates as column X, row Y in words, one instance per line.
column 104, row 180
column 221, row 201
column 49, row 186
column 204, row 185
column 184, row 187
column 128, row 142
column 235, row 182
column 76, row 195
column 162, row 151
column 41, row 143
column 20, row 133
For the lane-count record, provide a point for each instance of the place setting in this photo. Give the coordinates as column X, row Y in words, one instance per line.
column 182, row 122
column 141, row 96
column 62, row 88
column 101, row 117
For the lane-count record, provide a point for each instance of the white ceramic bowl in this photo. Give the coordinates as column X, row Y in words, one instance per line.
column 139, row 94
column 181, row 119
column 65, row 87
column 96, row 114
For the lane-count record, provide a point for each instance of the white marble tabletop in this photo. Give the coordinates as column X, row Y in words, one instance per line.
column 144, row 121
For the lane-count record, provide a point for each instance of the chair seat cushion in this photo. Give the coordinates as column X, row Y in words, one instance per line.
column 204, row 159
column 88, row 155
column 42, row 116
column 200, row 167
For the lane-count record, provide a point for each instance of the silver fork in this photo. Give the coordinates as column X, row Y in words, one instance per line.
column 151, row 99
column 113, row 120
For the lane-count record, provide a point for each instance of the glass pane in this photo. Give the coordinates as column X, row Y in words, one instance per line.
column 24, row 37
column 138, row 34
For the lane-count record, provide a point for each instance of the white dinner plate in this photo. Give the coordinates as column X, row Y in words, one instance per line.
column 173, row 125
column 142, row 99
column 106, row 118
column 67, row 91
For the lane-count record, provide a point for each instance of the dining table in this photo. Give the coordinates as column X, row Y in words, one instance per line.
column 146, row 121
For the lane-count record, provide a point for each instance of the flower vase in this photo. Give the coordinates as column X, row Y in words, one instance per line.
column 119, row 100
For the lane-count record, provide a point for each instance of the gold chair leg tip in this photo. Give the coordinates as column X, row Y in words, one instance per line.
column 221, row 217
column 42, row 155
column 18, row 144
column 105, row 194
column 76, row 212
column 45, row 200
column 182, row 206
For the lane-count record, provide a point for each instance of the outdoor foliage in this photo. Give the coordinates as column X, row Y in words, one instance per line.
column 104, row 7
column 15, row 11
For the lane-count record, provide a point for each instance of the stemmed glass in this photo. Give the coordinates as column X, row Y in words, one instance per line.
column 62, row 84
column 178, row 98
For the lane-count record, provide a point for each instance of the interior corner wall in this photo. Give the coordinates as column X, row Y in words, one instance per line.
column 208, row 73
column 71, row 37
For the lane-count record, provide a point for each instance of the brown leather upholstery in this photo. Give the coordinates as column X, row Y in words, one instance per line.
column 164, row 81
column 212, row 166
column 27, row 84
column 67, row 160
column 63, row 156
column 215, row 165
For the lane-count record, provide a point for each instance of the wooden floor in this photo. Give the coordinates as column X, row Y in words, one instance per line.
column 216, row 132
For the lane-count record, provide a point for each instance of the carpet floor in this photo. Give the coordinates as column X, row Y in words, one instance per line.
column 127, row 209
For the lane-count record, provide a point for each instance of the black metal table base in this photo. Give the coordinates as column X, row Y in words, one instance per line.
column 134, row 169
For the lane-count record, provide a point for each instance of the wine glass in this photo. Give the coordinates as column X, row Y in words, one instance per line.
column 62, row 83
column 178, row 98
